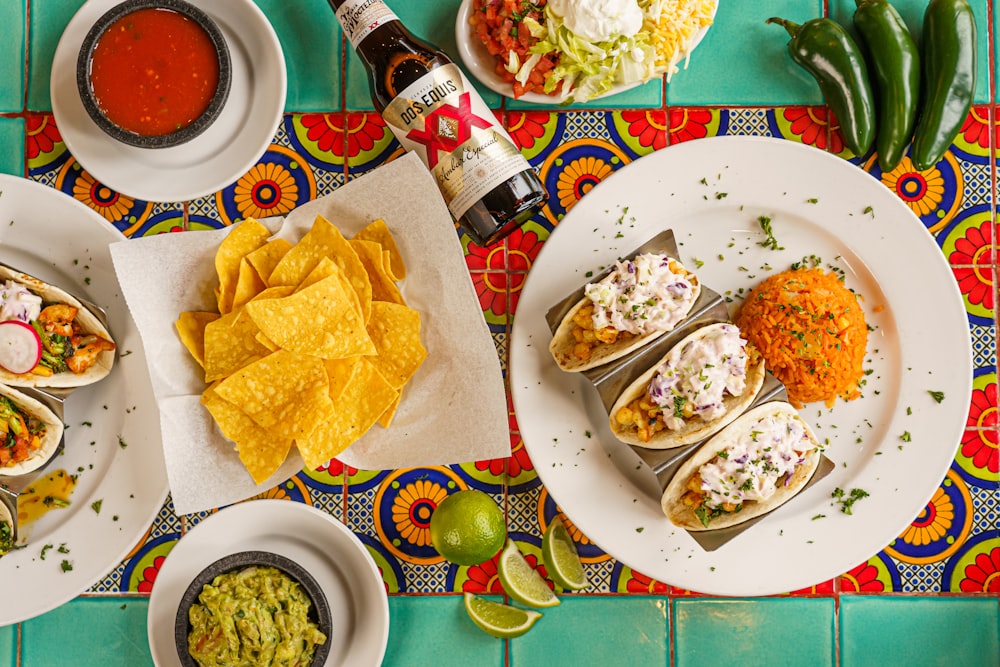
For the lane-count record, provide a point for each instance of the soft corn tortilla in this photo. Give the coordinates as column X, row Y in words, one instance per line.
column 88, row 322
column 49, row 443
column 684, row 517
column 5, row 518
column 695, row 428
column 563, row 342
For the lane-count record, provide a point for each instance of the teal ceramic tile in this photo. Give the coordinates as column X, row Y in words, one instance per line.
column 96, row 632
column 48, row 19
column 914, row 631
column 311, row 40
column 435, row 631
column 8, row 644
column 12, row 146
column 912, row 13
column 742, row 60
column 788, row 631
column 596, row 631
column 429, row 20
column 12, row 17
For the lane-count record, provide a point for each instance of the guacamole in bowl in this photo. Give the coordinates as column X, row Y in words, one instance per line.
column 253, row 608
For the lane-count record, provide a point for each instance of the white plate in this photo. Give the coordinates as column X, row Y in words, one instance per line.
column 113, row 426
column 213, row 159
column 711, row 193
column 325, row 547
column 481, row 64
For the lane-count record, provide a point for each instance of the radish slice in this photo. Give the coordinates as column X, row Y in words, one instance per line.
column 20, row 346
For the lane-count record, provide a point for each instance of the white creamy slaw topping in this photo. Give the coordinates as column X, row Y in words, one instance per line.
column 18, row 303
column 642, row 295
column 750, row 467
column 699, row 374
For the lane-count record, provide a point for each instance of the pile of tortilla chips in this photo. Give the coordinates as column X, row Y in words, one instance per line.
column 312, row 343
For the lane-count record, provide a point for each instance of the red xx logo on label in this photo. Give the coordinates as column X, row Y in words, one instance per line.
column 447, row 128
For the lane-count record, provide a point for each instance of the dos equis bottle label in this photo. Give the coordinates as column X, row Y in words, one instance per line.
column 442, row 119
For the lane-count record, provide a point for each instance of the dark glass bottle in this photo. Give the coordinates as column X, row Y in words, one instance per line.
column 433, row 110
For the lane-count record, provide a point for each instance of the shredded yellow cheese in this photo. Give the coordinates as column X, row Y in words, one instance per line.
column 674, row 26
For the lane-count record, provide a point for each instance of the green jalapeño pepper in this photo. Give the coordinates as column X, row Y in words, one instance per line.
column 895, row 62
column 824, row 49
column 949, row 64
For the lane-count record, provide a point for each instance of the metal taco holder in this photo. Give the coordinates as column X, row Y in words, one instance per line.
column 11, row 486
column 612, row 378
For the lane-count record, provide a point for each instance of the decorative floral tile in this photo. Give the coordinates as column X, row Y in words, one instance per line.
column 393, row 509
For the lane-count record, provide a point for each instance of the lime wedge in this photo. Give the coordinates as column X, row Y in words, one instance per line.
column 499, row 620
column 521, row 581
column 561, row 558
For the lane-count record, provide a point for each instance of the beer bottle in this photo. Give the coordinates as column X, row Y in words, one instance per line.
column 434, row 111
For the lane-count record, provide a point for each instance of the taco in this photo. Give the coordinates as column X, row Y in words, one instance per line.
column 29, row 433
column 640, row 300
column 758, row 462
column 703, row 383
column 6, row 529
column 69, row 347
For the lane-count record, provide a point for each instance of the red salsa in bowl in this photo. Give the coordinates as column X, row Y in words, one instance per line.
column 154, row 73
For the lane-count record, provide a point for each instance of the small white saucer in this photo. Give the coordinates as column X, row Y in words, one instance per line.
column 212, row 160
column 325, row 547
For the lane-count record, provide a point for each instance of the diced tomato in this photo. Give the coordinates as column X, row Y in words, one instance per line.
column 498, row 25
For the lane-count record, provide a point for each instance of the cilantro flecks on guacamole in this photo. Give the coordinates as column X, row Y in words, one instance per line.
column 256, row 616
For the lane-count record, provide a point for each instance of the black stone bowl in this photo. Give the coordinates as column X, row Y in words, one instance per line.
column 319, row 611
column 185, row 133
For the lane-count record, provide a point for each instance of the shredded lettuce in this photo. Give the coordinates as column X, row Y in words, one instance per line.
column 586, row 68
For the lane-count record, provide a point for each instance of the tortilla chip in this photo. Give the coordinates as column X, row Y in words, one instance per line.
column 248, row 285
column 266, row 342
column 191, row 331
column 290, row 408
column 275, row 292
column 323, row 240
column 339, row 373
column 261, row 453
column 379, row 232
column 364, row 399
column 320, row 320
column 324, row 269
column 386, row 418
column 245, row 237
column 372, row 257
column 395, row 331
column 266, row 257
column 230, row 344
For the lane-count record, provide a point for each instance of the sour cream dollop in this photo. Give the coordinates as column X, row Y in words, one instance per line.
column 599, row 20
column 18, row 303
column 751, row 465
column 700, row 373
column 642, row 295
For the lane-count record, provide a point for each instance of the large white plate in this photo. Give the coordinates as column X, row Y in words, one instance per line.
column 210, row 161
column 113, row 426
column 711, row 193
column 482, row 65
column 326, row 548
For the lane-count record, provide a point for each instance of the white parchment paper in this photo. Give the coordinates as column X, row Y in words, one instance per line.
column 453, row 410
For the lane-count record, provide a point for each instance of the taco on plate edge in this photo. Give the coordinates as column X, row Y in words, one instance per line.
column 29, row 432
column 77, row 349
